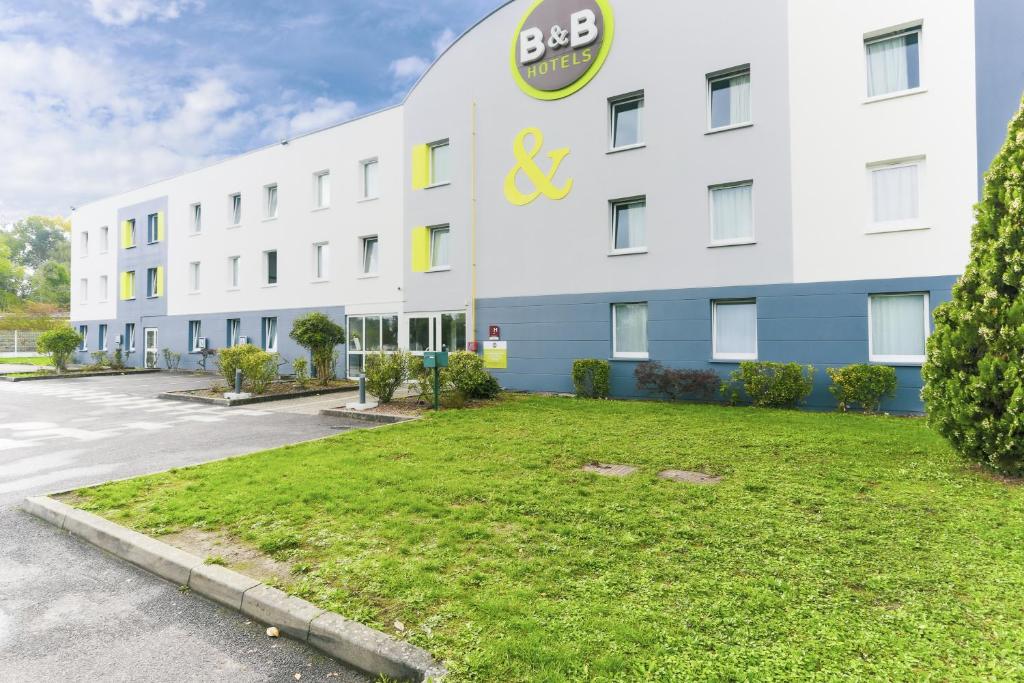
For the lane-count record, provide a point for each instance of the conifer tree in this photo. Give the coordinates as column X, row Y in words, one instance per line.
column 974, row 374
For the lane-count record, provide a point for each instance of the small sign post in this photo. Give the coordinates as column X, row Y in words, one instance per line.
column 436, row 360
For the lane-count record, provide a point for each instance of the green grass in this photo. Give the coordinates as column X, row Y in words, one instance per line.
column 837, row 547
column 41, row 361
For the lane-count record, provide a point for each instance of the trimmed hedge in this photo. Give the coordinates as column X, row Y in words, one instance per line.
column 592, row 377
column 770, row 385
column 863, row 385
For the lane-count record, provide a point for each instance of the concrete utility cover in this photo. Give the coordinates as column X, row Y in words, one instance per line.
column 689, row 477
column 609, row 470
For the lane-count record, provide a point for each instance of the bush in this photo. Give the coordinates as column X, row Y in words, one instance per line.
column 100, row 360
column 592, row 377
column 204, row 358
column 771, row 385
column 386, row 373
column 863, row 385
column 677, row 384
column 468, row 376
column 300, row 369
column 118, row 360
column 172, row 359
column 319, row 335
column 974, row 372
column 60, row 345
column 258, row 367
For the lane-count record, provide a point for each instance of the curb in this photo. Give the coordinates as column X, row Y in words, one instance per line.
column 347, row 641
column 229, row 403
column 367, row 417
column 76, row 375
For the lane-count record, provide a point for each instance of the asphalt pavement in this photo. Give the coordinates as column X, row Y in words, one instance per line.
column 69, row 612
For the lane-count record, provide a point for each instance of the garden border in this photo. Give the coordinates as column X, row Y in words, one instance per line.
column 74, row 375
column 348, row 641
column 380, row 418
column 233, row 402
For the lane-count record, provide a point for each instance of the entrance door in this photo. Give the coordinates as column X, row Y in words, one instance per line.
column 152, row 346
column 437, row 332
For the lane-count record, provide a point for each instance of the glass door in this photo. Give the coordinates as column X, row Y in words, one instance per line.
column 152, row 346
column 437, row 332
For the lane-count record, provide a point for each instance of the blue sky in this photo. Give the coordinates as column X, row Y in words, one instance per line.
column 100, row 96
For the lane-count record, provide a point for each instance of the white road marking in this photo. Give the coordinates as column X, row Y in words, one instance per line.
column 60, row 475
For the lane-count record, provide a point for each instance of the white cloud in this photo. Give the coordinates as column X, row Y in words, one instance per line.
column 324, row 112
column 408, row 69
column 443, row 41
column 125, row 12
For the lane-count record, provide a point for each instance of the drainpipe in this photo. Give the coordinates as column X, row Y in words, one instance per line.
column 471, row 332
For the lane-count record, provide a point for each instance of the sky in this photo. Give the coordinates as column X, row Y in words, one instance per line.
column 102, row 96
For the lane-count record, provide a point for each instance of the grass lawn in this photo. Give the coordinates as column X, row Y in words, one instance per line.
column 41, row 361
column 837, row 546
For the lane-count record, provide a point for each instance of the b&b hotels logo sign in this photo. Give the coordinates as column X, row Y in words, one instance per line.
column 561, row 45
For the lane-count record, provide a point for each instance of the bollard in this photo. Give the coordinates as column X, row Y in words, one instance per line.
column 238, row 380
column 362, row 389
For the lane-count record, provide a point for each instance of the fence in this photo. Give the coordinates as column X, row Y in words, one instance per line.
column 18, row 341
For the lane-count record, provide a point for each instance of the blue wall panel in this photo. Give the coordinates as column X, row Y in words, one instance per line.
column 999, row 64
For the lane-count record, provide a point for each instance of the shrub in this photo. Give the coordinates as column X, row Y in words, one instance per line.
column 592, row 377
column 422, row 378
column 677, row 384
column 974, row 372
column 771, row 385
column 59, row 344
column 172, row 359
column 118, row 360
column 386, row 373
column 258, row 367
column 863, row 385
column 300, row 369
column 319, row 335
column 204, row 357
column 468, row 376
column 100, row 360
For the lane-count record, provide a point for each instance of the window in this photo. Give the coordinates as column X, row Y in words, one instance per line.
column 234, row 271
column 234, row 332
column 197, row 218
column 453, row 331
column 370, row 334
column 101, row 341
column 270, row 201
column 235, row 207
column 104, row 240
column 370, row 189
column 439, row 258
column 627, row 121
column 152, row 283
column 370, row 255
column 900, row 326
column 83, row 290
column 152, row 228
column 104, row 291
column 629, row 231
column 322, row 193
column 270, row 334
column 629, row 331
column 729, row 99
column 440, row 168
column 129, row 337
column 84, row 241
column 734, row 330
column 128, row 285
column 732, row 213
column 895, row 195
column 83, row 332
column 894, row 62
column 270, row 268
column 193, row 277
column 320, row 254
column 195, row 333
column 129, row 233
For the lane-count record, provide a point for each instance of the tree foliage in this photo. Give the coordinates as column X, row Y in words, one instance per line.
column 319, row 335
column 974, row 373
column 35, row 263
column 59, row 344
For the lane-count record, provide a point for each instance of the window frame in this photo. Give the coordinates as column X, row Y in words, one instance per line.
column 630, row 355
column 194, row 277
column 434, row 229
column 129, row 338
column 232, row 223
column 432, row 147
column 927, row 322
column 102, row 337
column 83, row 243
column 738, row 241
column 271, row 190
column 104, row 239
column 195, row 333
column 152, row 292
column 133, row 234
column 364, row 242
column 83, row 332
column 364, row 193
column 321, row 261
column 266, row 338
column 234, row 273
column 613, row 205
column 153, row 228
column 319, row 179
column 736, row 357
column 104, row 287
column 266, row 268
column 888, row 34
column 196, row 217
column 132, row 283
column 229, row 340
column 874, row 227
column 83, row 290
column 613, row 104
column 726, row 74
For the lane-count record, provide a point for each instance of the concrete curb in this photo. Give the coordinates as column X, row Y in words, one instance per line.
column 229, row 403
column 349, row 642
column 77, row 375
column 367, row 417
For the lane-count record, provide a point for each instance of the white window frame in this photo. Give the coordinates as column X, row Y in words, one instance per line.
column 83, row 290
column 83, row 242
column 129, row 340
column 133, row 234
column 613, row 104
column 195, row 333
column 434, row 268
column 886, row 34
column 321, row 261
column 362, row 255
column 321, row 179
column 614, row 225
column 909, row 224
column 431, row 148
column 266, row 339
column 268, row 190
column 234, row 272
column 734, row 357
column 629, row 355
column 230, row 340
column 927, row 322
column 83, row 331
column 131, row 282
column 154, row 291
column 196, row 216
column 266, row 268
column 194, row 275
column 104, row 239
column 104, row 288
column 364, row 191
column 711, row 215
column 102, row 337
column 726, row 74
column 153, row 228
column 232, row 223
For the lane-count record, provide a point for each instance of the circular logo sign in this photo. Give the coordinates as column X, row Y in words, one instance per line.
column 561, row 45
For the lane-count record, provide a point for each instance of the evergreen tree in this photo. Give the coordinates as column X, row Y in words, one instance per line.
column 974, row 375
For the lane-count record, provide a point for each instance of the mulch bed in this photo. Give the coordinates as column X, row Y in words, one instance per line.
column 281, row 388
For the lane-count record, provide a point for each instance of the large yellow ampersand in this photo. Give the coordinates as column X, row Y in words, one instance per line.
column 541, row 181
